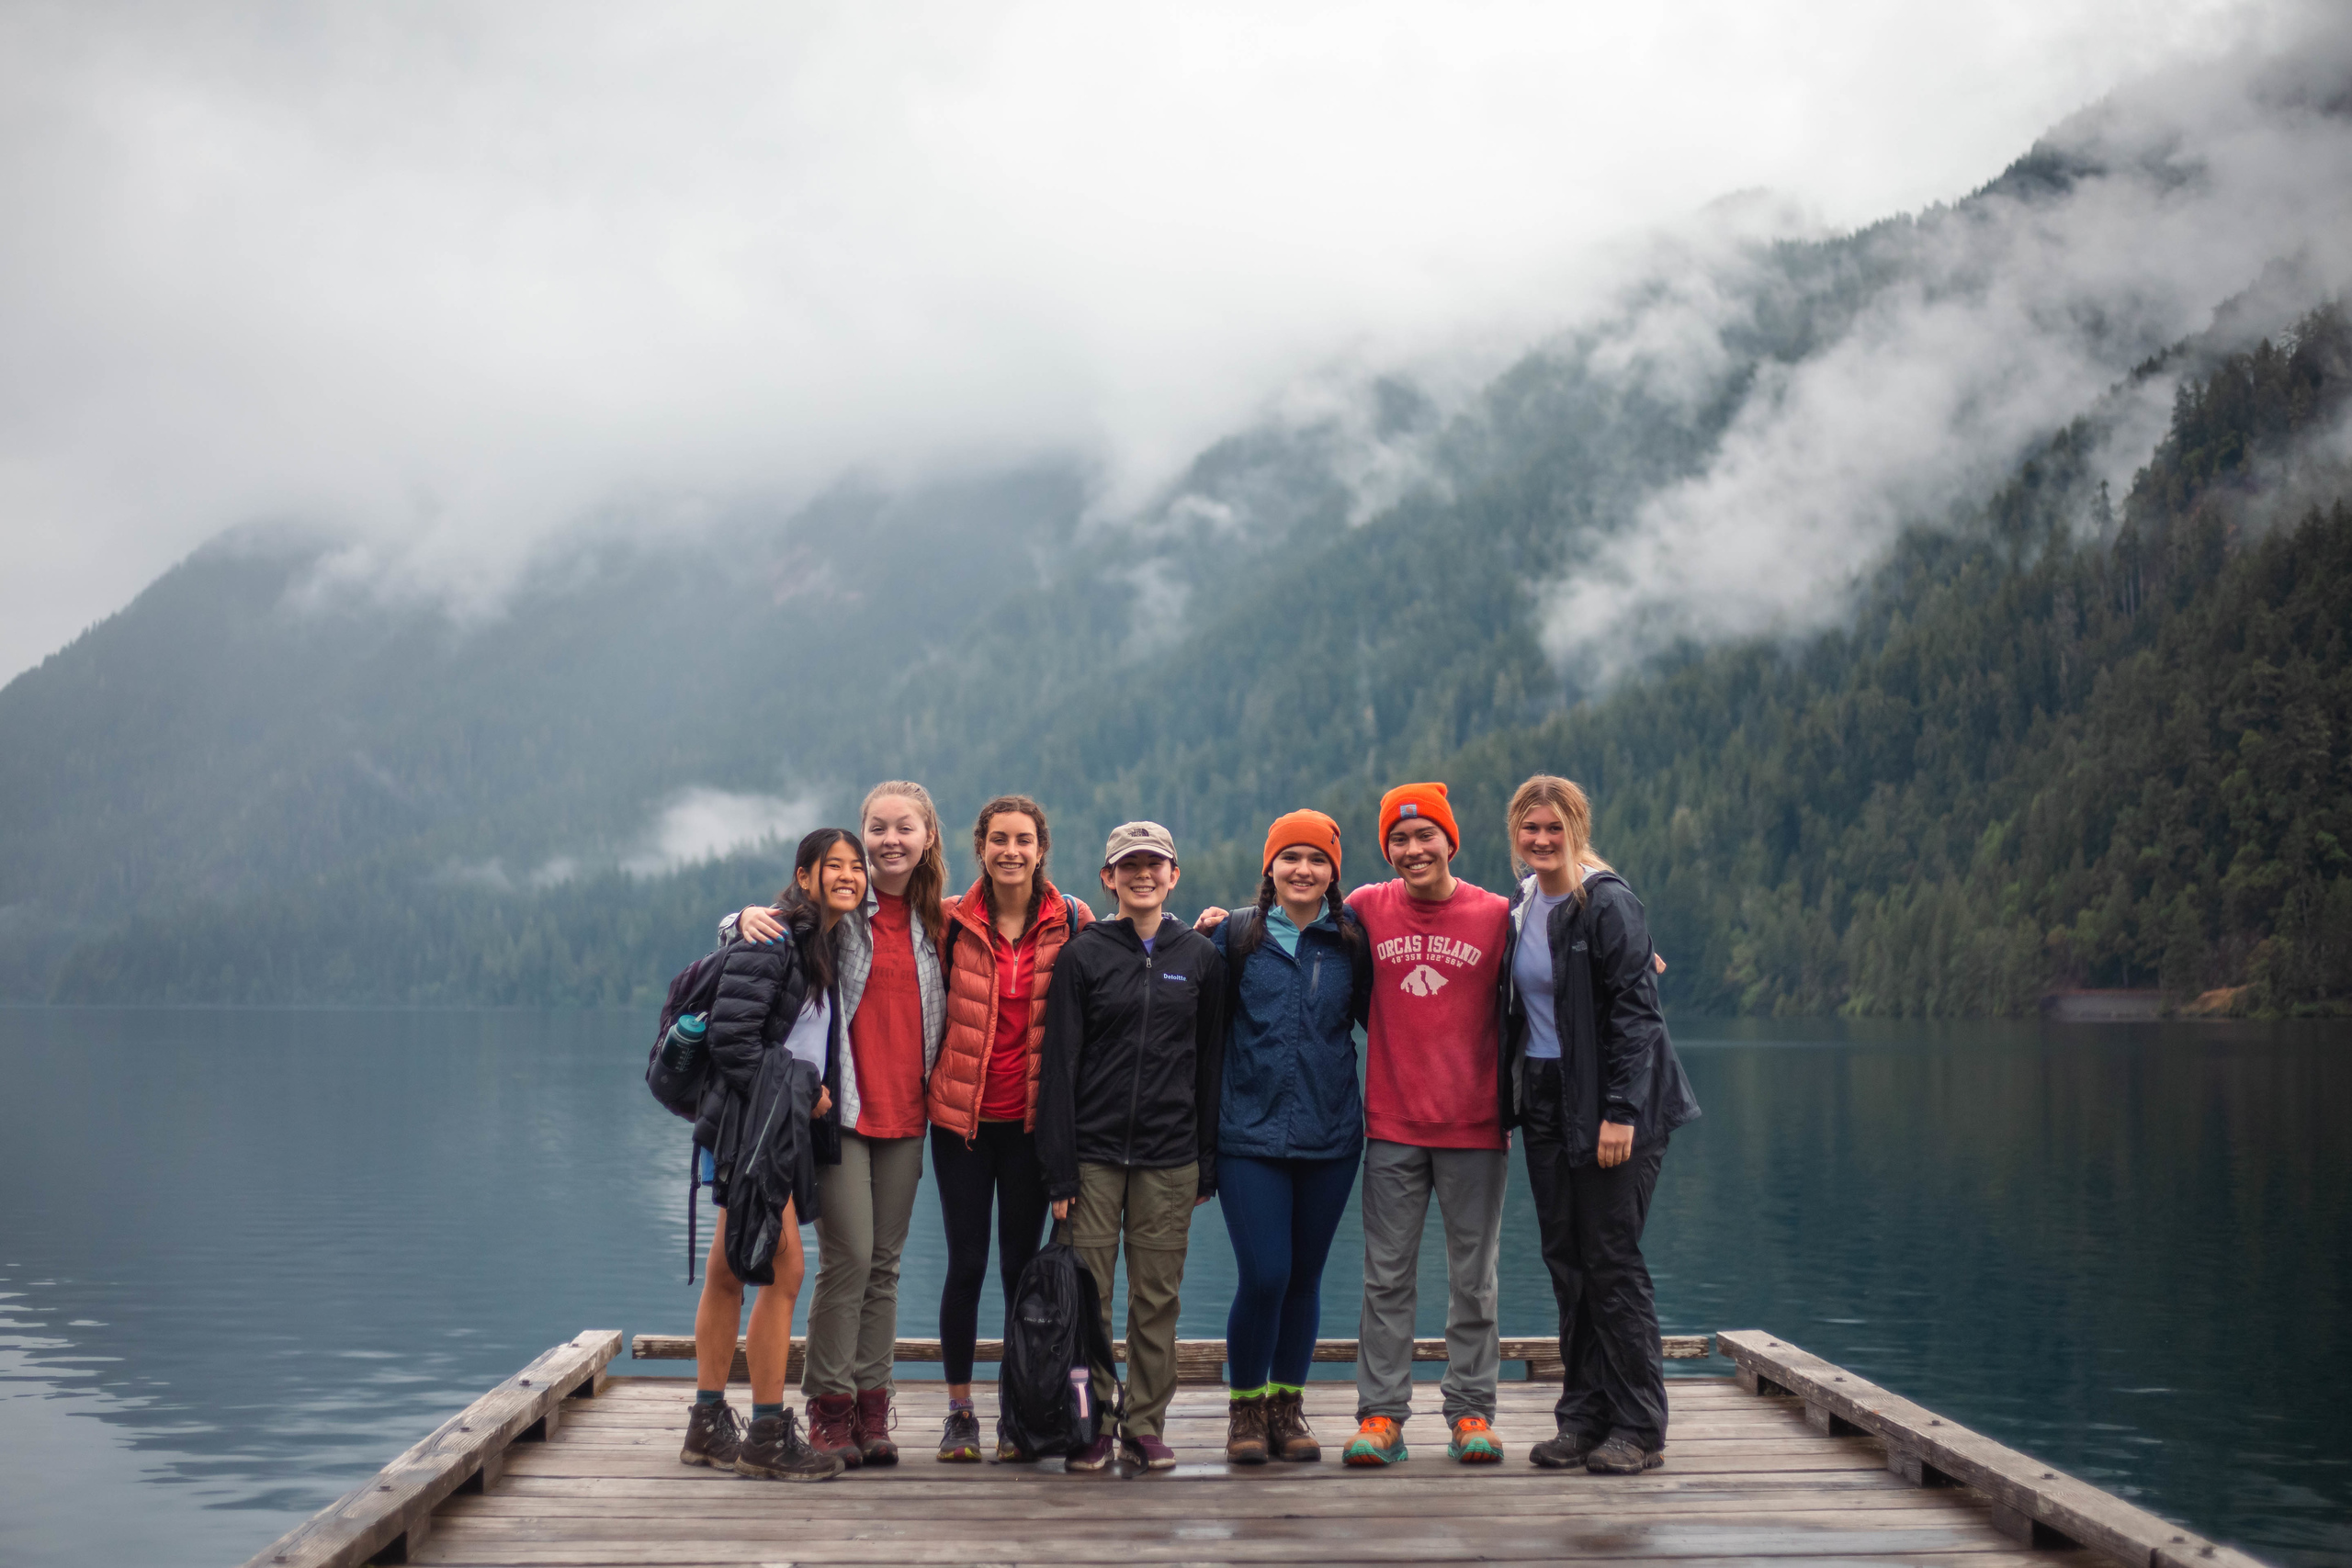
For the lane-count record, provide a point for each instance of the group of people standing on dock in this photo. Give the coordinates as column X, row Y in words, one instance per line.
column 1114, row 1073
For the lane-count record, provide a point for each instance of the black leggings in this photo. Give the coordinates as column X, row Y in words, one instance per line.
column 998, row 1170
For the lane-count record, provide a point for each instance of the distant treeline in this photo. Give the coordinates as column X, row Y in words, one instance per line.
column 2064, row 743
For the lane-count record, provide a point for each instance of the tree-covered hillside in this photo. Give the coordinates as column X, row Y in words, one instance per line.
column 2062, row 743
column 2037, row 760
column 2062, row 739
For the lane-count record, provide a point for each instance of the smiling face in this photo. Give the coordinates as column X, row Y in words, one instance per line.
column 1301, row 874
column 836, row 884
column 1141, row 882
column 896, row 837
column 1008, row 853
column 1542, row 839
column 1421, row 854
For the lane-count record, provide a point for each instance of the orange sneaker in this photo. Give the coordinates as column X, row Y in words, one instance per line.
column 1474, row 1442
column 1380, row 1440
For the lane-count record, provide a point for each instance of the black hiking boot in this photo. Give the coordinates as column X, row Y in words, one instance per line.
column 774, row 1450
column 714, row 1434
column 1566, row 1452
column 1620, row 1455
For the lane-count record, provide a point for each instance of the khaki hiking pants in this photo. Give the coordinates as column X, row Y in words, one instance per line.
column 1154, row 1209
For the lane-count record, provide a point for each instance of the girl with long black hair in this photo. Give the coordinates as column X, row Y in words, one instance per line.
column 772, row 995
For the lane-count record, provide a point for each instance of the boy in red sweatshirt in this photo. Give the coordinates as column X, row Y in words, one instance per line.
column 1434, row 1111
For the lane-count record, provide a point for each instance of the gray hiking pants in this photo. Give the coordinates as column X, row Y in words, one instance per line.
column 1469, row 1184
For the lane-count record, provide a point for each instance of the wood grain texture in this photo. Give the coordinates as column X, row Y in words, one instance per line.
column 1781, row 1478
column 2031, row 1502
column 391, row 1515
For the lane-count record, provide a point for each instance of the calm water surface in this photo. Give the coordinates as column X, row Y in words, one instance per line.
column 247, row 1257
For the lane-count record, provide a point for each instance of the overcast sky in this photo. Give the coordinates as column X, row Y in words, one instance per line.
column 458, row 276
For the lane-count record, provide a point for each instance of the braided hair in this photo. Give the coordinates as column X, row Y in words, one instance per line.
column 1245, row 941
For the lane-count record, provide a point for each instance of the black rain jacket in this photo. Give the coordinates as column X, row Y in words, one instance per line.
column 1132, row 1055
column 1616, row 1063
column 762, row 988
column 776, row 1163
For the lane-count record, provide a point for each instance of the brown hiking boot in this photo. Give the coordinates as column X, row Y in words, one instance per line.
column 714, row 1433
column 1244, row 1431
column 772, row 1450
column 1287, row 1434
column 833, row 1427
column 873, row 1428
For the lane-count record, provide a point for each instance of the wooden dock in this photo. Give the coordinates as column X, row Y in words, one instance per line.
column 1788, row 1461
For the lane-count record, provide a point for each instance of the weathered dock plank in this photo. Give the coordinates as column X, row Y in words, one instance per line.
column 2031, row 1502
column 1791, row 1462
column 386, row 1519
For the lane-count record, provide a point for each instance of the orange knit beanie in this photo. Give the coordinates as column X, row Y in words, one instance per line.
column 1425, row 800
column 1310, row 828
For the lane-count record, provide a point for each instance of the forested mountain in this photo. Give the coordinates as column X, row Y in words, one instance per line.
column 2059, row 739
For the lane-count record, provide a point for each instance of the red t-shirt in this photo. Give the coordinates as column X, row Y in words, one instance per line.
column 1005, row 1096
column 885, row 1032
column 1430, row 1050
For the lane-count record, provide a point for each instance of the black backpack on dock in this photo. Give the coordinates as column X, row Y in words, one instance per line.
column 1055, row 1330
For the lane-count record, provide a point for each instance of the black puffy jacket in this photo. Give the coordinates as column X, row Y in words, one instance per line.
column 1616, row 1062
column 1134, row 1049
column 762, row 988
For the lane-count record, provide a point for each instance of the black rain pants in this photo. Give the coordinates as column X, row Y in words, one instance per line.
column 1590, row 1220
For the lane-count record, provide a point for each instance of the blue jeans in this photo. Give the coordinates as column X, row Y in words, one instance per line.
column 1281, row 1214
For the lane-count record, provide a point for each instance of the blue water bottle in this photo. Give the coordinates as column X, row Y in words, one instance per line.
column 681, row 1048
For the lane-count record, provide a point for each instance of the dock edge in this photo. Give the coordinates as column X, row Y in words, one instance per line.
column 384, row 1519
column 2033, row 1503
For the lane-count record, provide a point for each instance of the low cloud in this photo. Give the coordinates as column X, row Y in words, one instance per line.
column 452, row 277
column 699, row 824
column 2195, row 189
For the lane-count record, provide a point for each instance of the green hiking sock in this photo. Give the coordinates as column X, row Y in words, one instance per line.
column 1251, row 1392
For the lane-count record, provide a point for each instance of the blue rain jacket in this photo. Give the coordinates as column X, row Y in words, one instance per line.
column 1292, row 1091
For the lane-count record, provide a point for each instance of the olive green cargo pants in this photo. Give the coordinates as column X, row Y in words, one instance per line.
column 1153, row 1208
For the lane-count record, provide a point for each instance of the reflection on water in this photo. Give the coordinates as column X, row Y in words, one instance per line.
column 248, row 1255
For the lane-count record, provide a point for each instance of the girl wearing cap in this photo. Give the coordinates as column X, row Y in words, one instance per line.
column 1290, row 1124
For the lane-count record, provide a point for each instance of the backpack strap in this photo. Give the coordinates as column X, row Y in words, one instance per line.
column 1232, row 964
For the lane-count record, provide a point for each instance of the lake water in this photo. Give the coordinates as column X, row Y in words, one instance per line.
column 247, row 1257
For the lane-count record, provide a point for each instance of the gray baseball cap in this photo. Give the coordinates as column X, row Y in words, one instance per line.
column 1128, row 838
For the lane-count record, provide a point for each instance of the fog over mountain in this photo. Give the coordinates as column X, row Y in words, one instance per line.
column 456, row 279
column 1821, row 551
column 2122, row 232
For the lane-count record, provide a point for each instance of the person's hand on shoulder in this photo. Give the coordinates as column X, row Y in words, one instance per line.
column 1210, row 918
column 758, row 924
